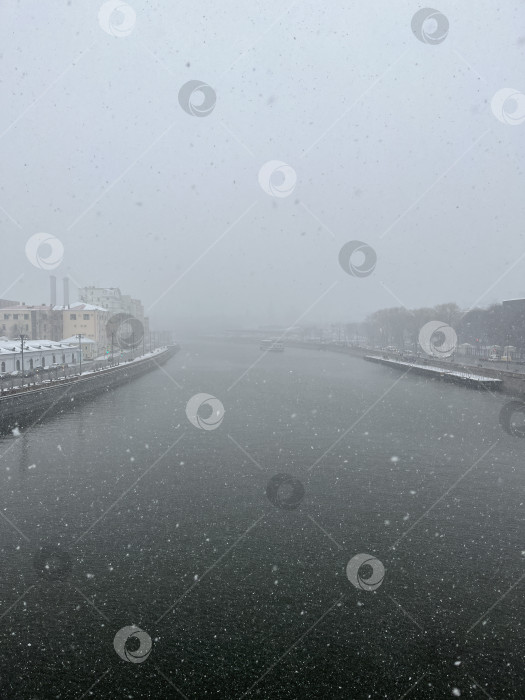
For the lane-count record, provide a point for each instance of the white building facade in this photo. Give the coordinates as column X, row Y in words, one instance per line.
column 37, row 353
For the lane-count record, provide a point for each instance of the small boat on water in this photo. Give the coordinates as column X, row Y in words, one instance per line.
column 272, row 345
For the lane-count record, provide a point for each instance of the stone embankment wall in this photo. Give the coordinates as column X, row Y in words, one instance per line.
column 17, row 407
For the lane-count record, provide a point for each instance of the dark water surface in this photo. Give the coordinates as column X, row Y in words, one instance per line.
column 169, row 528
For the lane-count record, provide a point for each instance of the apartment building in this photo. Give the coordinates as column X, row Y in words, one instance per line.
column 87, row 319
column 32, row 321
column 112, row 299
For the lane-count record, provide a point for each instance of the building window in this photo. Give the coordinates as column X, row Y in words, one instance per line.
column 18, row 364
column 26, row 316
column 72, row 317
column 54, row 359
column 3, row 367
column 43, row 362
column 15, row 316
column 73, row 358
column 64, row 358
column 30, row 364
column 6, row 316
column 86, row 317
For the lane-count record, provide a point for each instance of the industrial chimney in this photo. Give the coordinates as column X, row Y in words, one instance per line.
column 53, row 289
column 66, row 292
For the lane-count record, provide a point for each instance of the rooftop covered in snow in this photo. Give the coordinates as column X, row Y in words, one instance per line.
column 79, row 306
column 9, row 346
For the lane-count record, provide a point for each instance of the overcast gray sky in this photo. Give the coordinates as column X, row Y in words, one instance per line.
column 393, row 142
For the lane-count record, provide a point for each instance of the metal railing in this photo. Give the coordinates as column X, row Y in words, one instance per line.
column 11, row 383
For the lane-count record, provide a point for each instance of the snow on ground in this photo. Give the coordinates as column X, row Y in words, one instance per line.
column 439, row 370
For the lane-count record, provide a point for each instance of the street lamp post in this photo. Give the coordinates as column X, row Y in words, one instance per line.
column 22, row 338
column 79, row 336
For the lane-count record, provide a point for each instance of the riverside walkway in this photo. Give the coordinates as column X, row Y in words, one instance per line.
column 455, row 376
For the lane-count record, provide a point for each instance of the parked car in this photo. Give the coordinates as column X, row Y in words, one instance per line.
column 493, row 357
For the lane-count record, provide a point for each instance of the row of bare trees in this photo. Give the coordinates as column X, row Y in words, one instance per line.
column 499, row 324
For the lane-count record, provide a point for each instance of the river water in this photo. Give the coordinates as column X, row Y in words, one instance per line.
column 123, row 513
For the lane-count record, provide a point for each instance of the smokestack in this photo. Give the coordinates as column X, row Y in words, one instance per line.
column 66, row 292
column 53, row 289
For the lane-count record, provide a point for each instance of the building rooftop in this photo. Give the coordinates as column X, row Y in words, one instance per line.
column 24, row 307
column 9, row 346
column 79, row 306
column 73, row 340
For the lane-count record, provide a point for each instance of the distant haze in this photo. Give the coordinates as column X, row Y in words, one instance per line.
column 101, row 155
